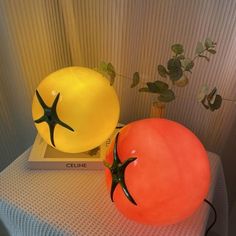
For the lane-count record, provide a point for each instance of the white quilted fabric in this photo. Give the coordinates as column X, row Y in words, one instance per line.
column 72, row 202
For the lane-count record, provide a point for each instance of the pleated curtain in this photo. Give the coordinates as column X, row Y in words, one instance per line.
column 41, row 36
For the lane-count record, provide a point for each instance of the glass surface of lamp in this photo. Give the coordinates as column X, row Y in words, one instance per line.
column 75, row 109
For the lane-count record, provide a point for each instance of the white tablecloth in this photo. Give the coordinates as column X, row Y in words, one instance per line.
column 72, row 202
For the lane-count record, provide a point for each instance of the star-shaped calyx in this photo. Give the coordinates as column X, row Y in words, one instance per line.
column 50, row 116
column 117, row 170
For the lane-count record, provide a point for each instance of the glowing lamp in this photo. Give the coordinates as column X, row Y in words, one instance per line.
column 75, row 109
column 158, row 172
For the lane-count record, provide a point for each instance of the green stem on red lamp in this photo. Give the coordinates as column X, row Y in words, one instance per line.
column 117, row 170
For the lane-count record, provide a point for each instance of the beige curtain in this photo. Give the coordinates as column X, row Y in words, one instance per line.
column 41, row 36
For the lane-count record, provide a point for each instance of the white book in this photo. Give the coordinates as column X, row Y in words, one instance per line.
column 43, row 156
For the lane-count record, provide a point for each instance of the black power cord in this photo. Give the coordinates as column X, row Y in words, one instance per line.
column 215, row 216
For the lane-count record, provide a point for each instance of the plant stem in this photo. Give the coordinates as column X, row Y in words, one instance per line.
column 124, row 76
column 229, row 100
column 127, row 77
column 199, row 54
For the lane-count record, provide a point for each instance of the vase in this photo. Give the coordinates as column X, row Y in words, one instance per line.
column 157, row 110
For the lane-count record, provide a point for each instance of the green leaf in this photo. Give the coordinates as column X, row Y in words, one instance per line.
column 200, row 48
column 112, row 80
column 152, row 87
column 211, row 95
column 107, row 70
column 202, row 92
column 182, row 82
column 105, row 74
column 212, row 51
column 176, row 74
column 177, row 48
column 167, row 96
column 111, row 69
column 188, row 64
column 175, row 70
column 209, row 43
column 203, row 56
column 162, row 86
column 212, row 100
column 216, row 104
column 173, row 64
column 162, row 71
column 157, row 86
column 144, row 89
column 111, row 72
column 136, row 79
column 103, row 66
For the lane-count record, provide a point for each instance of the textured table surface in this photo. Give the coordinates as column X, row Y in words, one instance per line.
column 70, row 202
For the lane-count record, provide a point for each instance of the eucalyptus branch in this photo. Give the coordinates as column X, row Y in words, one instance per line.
column 175, row 70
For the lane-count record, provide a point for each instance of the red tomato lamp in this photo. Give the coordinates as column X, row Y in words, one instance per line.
column 158, row 172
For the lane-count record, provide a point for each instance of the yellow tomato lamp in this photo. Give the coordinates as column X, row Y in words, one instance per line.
column 75, row 109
